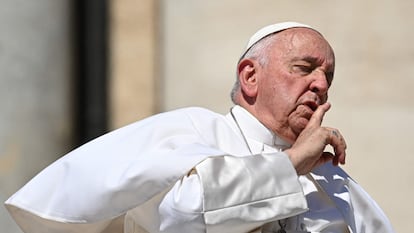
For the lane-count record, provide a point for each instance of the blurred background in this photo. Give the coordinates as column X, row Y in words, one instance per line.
column 73, row 70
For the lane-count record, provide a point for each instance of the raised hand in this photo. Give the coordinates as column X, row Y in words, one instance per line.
column 308, row 150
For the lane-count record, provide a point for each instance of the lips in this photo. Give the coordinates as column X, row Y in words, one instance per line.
column 306, row 109
column 311, row 104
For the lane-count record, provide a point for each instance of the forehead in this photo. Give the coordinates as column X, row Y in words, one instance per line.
column 296, row 43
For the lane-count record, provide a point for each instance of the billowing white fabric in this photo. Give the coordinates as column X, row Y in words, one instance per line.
column 130, row 172
column 118, row 171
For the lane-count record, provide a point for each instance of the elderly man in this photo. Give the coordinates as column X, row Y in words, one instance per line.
column 261, row 168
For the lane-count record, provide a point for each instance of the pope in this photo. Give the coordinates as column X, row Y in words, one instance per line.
column 262, row 167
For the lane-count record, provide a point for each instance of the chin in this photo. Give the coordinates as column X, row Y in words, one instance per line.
column 299, row 125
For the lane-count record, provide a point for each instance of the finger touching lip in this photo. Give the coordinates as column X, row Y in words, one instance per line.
column 311, row 104
column 305, row 111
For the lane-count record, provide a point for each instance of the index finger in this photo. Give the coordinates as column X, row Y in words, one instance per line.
column 318, row 115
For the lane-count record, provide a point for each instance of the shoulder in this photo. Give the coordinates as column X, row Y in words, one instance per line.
column 186, row 115
column 197, row 111
column 175, row 117
column 190, row 120
column 187, row 111
column 186, row 125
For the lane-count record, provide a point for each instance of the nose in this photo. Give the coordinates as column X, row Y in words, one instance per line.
column 319, row 84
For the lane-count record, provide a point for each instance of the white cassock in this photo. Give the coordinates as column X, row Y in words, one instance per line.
column 190, row 171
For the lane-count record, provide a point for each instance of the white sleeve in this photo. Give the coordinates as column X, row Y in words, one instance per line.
column 182, row 207
column 233, row 194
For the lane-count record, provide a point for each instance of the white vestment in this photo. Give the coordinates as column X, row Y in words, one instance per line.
column 191, row 170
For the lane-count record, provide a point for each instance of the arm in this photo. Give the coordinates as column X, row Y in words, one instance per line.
column 233, row 194
column 241, row 193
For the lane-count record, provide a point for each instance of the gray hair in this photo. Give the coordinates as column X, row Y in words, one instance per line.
column 257, row 52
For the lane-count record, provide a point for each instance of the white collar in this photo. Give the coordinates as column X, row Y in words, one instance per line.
column 253, row 129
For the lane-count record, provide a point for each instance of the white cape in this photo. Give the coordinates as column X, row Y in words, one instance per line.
column 104, row 179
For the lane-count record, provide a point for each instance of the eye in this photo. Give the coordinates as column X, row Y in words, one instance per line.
column 302, row 69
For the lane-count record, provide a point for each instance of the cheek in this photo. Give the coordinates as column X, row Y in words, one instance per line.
column 277, row 97
column 287, row 96
column 281, row 91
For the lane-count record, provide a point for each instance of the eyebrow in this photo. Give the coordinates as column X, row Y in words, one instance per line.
column 317, row 61
column 309, row 59
column 313, row 61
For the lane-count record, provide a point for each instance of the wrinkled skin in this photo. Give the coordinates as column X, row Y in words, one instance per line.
column 288, row 94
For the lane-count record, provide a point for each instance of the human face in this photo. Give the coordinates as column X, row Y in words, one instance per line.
column 294, row 81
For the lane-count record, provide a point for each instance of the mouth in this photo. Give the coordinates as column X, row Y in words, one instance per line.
column 311, row 104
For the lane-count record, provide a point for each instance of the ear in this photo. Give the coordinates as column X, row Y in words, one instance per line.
column 247, row 70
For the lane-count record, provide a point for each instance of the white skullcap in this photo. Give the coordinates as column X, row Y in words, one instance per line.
column 270, row 29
